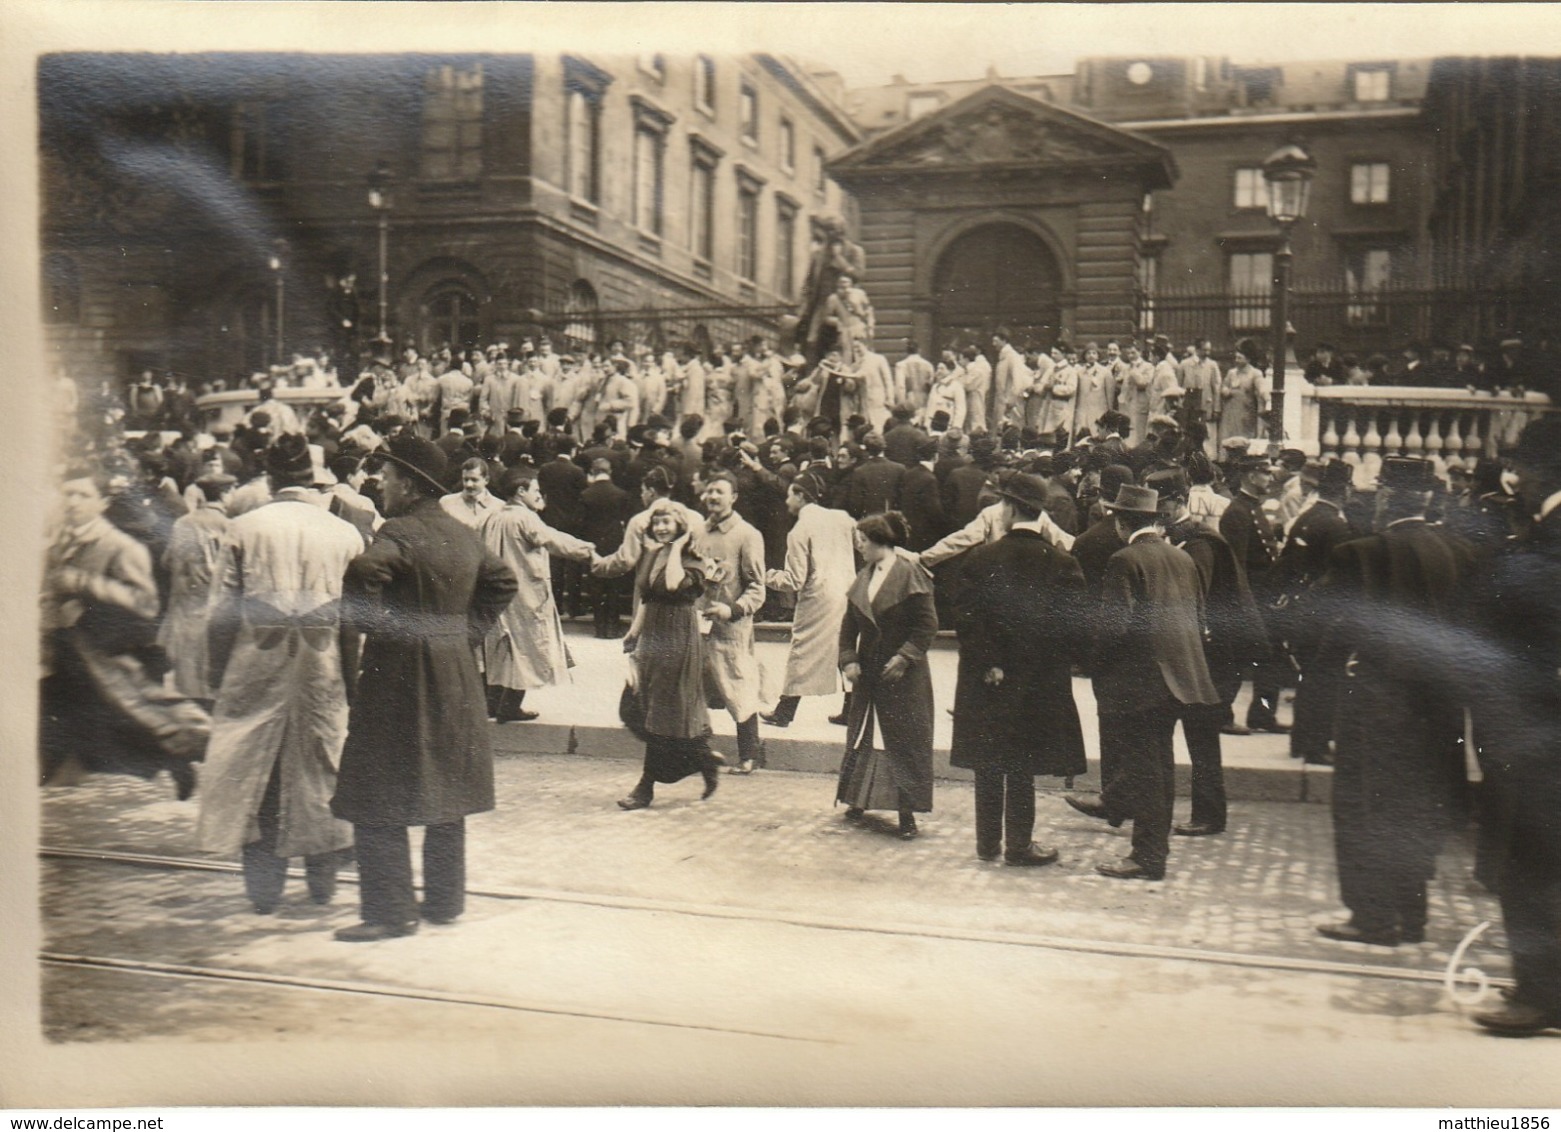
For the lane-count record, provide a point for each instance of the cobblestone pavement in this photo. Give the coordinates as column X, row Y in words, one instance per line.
column 759, row 930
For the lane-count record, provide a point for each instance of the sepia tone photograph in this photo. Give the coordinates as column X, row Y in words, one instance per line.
column 783, row 555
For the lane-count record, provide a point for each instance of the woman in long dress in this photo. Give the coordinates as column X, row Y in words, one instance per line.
column 1243, row 400
column 667, row 656
column 890, row 623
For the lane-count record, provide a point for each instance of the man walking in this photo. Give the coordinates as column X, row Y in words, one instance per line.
column 417, row 750
column 737, row 593
column 1149, row 668
column 281, row 662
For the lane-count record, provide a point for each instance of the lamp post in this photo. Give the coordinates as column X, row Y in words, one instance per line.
column 1288, row 173
column 380, row 202
column 277, row 262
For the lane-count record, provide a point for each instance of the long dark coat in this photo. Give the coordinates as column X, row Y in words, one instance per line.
column 899, row 620
column 1391, row 599
column 417, row 751
column 1233, row 628
column 1021, row 608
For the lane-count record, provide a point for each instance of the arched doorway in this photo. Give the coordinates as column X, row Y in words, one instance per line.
column 449, row 317
column 999, row 274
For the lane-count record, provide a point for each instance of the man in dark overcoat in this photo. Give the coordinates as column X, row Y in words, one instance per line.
column 1232, row 633
column 1308, row 550
column 875, row 482
column 1251, row 535
column 1148, row 669
column 1014, row 714
column 417, row 751
column 1518, row 718
column 1388, row 601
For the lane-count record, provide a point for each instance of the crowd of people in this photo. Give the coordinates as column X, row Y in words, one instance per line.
column 332, row 608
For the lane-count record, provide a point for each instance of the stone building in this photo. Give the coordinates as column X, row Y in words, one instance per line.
column 212, row 213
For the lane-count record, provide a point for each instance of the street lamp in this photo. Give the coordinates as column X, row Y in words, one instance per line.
column 380, row 202
column 1288, row 172
column 277, row 262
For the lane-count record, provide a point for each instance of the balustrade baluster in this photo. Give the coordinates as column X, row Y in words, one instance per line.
column 1371, row 450
column 1453, row 442
column 1414, row 441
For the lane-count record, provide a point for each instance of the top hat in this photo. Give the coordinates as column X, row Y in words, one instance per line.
column 940, row 421
column 1022, row 487
column 1407, row 473
column 1135, row 500
column 1335, row 474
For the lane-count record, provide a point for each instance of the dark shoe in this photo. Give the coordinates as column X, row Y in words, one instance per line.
column 908, row 830
column 1091, row 806
column 1031, row 856
column 323, row 891
column 855, row 813
column 373, row 933
column 712, row 778
column 1197, row 829
column 633, row 802
column 1273, row 726
column 988, row 854
column 183, row 779
column 774, row 720
column 522, row 716
column 1348, row 933
column 264, row 907
column 1519, row 1020
column 1129, row 869
column 440, row 920
column 1235, row 729
column 838, row 720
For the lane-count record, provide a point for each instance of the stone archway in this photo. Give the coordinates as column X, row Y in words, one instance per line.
column 998, row 274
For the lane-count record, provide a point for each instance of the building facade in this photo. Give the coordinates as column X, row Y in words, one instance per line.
column 1203, row 256
column 212, row 213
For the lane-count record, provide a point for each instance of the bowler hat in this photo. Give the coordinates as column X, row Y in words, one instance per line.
column 1335, row 474
column 1022, row 488
column 423, row 459
column 1170, row 482
column 514, row 416
column 288, row 458
column 1135, row 500
column 940, row 421
column 1407, row 473
column 1113, row 421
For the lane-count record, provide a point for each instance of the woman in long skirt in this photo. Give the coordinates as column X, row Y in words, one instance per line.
column 889, row 624
column 667, row 654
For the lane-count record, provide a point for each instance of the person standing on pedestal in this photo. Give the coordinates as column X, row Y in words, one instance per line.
column 418, row 749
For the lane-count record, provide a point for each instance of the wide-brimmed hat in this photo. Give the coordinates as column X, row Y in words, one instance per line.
column 1135, row 500
column 1407, row 473
column 421, row 458
column 1022, row 487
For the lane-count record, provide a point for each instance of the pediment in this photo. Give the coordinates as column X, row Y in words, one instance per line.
column 1001, row 128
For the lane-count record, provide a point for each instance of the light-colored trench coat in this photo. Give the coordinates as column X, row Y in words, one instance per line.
column 282, row 695
column 525, row 648
column 820, row 567
column 191, row 561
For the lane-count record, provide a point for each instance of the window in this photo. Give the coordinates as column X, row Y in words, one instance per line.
column 702, row 203
column 581, row 309
column 452, row 123
column 449, row 318
column 1373, row 84
column 820, row 176
column 1257, row 86
column 254, row 148
column 1200, row 74
column 1148, row 273
column 748, row 110
column 788, row 145
column 655, row 66
column 1251, row 276
column 922, row 102
column 650, row 143
column 747, row 229
column 1251, row 192
column 1369, row 183
column 704, row 83
column 647, row 179
column 1367, row 274
column 62, row 289
column 583, row 125
column 785, row 248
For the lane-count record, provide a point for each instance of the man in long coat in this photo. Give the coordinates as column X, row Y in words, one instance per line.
column 417, row 751
column 1014, row 715
column 1518, row 717
column 525, row 649
column 820, row 567
column 734, row 593
column 1149, row 668
column 191, row 561
column 280, row 666
column 1389, row 601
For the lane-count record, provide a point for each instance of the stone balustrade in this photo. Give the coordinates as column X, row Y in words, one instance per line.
column 1451, row 427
